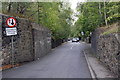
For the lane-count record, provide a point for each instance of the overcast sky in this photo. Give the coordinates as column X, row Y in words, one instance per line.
column 73, row 6
column 74, row 3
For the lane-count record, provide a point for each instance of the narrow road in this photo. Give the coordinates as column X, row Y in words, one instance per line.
column 65, row 61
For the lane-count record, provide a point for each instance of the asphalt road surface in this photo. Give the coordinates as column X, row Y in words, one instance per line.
column 65, row 61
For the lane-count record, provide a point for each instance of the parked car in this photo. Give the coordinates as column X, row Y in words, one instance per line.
column 75, row 40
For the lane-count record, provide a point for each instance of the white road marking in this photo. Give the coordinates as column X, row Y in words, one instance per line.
column 71, row 47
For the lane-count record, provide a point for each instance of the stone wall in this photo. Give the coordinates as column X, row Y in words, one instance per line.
column 107, row 49
column 56, row 43
column 42, row 40
column 23, row 49
column 26, row 46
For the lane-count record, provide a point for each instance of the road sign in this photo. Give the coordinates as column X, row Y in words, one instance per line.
column 11, row 22
column 11, row 31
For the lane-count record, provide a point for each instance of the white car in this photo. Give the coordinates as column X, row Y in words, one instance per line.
column 75, row 40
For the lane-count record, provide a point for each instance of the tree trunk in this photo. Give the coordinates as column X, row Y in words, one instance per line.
column 38, row 13
column 17, row 7
column 9, row 7
column 100, row 9
column 105, row 13
column 100, row 12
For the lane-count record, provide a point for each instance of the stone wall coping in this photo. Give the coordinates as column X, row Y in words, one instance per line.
column 13, row 16
column 38, row 27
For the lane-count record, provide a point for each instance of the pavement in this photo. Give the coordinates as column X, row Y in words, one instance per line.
column 98, row 69
column 0, row 64
column 65, row 61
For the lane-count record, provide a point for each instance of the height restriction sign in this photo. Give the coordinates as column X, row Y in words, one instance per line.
column 11, row 22
column 11, row 30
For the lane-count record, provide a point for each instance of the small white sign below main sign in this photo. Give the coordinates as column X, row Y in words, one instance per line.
column 11, row 31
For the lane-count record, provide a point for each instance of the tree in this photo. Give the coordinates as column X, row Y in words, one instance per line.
column 95, row 14
column 54, row 15
column 57, row 17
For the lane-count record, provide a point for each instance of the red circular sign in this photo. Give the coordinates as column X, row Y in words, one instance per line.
column 11, row 22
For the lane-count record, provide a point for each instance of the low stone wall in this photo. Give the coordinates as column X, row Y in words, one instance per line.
column 57, row 42
column 28, row 44
column 107, row 50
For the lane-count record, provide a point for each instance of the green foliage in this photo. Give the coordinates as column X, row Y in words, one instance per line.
column 114, row 30
column 54, row 15
column 56, row 18
column 92, row 15
column 113, row 12
column 18, row 9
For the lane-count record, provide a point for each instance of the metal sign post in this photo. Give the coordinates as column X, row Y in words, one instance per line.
column 12, row 50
